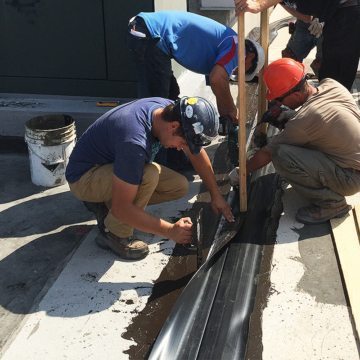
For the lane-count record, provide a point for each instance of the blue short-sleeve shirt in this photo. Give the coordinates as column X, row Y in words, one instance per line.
column 121, row 137
column 194, row 41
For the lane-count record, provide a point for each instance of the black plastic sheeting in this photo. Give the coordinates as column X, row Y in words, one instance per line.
column 210, row 320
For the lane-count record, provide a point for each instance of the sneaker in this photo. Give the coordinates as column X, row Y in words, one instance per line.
column 126, row 248
column 100, row 210
column 316, row 215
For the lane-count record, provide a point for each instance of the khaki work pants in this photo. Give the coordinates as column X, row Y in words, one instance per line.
column 159, row 184
column 315, row 176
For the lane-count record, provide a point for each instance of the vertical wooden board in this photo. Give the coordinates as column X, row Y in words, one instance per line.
column 264, row 41
column 357, row 218
column 242, row 113
column 346, row 239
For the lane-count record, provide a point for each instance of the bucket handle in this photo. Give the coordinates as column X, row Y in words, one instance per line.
column 44, row 161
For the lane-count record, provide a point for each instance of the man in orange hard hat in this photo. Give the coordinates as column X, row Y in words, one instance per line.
column 318, row 149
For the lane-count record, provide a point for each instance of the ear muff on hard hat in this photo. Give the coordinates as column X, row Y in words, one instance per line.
column 254, row 47
column 199, row 121
column 281, row 76
column 258, row 63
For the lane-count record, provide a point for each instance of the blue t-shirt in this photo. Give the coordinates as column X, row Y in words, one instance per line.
column 194, row 41
column 122, row 137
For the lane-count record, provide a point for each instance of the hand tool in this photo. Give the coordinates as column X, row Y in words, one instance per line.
column 199, row 233
column 277, row 115
column 226, row 230
column 108, row 103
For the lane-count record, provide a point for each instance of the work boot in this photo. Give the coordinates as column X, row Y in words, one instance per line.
column 126, row 248
column 100, row 211
column 316, row 215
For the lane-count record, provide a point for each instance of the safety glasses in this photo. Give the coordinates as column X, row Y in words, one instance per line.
column 298, row 87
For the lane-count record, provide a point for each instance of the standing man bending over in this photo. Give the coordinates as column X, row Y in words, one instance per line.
column 196, row 42
column 111, row 168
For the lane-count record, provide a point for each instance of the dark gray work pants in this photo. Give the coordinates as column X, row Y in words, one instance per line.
column 314, row 175
column 153, row 67
column 341, row 46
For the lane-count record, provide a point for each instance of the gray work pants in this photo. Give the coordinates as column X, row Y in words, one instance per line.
column 314, row 175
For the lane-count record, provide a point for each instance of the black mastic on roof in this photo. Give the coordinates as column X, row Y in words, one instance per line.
column 210, row 320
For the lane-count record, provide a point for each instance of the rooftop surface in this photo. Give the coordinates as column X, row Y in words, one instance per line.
column 63, row 297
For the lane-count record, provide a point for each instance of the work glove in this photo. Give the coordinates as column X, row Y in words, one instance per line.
column 316, row 28
column 277, row 115
column 225, row 125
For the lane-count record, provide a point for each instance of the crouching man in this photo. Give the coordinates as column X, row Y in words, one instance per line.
column 318, row 149
column 111, row 168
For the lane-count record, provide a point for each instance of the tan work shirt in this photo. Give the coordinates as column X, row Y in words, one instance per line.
column 329, row 121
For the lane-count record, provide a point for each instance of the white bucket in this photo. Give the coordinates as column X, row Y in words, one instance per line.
column 50, row 140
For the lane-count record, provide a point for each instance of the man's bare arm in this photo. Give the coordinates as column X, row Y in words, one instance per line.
column 297, row 14
column 261, row 158
column 124, row 209
column 219, row 82
column 202, row 165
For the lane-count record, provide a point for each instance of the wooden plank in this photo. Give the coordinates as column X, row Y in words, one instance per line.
column 242, row 112
column 357, row 219
column 264, row 41
column 346, row 237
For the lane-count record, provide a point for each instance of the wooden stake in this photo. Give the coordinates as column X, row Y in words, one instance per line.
column 242, row 113
column 264, row 41
column 346, row 236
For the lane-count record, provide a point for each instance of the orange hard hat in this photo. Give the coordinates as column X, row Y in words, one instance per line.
column 281, row 76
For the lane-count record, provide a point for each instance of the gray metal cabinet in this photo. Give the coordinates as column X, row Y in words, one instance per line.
column 69, row 47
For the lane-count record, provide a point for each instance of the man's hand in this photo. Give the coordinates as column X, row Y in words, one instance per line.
column 181, row 231
column 261, row 158
column 219, row 205
column 316, row 28
column 253, row 6
column 277, row 115
column 202, row 165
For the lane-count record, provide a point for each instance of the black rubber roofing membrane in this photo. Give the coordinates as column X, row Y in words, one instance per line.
column 210, row 319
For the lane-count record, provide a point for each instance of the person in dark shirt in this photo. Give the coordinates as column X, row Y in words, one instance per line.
column 306, row 33
column 340, row 46
column 111, row 167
